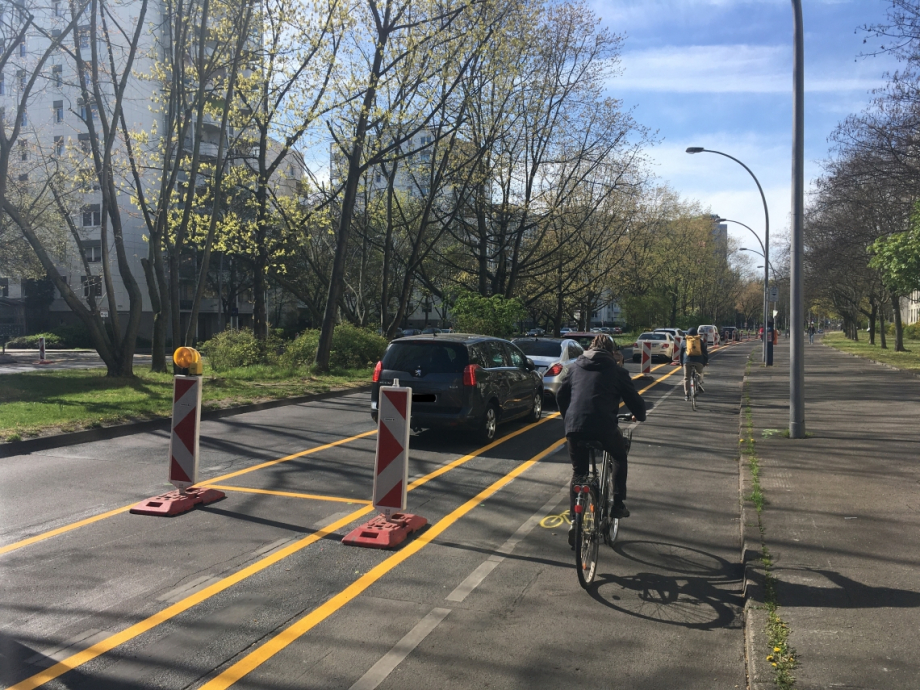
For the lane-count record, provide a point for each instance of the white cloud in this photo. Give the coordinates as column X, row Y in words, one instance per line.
column 730, row 69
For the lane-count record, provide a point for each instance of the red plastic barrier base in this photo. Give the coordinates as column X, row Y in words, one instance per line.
column 175, row 502
column 381, row 533
column 45, row 361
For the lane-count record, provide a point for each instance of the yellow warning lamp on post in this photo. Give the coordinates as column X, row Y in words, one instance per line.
column 189, row 360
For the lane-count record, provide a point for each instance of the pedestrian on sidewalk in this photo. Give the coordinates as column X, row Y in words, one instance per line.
column 811, row 334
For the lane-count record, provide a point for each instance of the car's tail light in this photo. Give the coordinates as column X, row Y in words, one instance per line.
column 469, row 374
column 377, row 370
column 554, row 370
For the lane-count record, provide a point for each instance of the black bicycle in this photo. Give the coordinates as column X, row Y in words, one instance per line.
column 593, row 504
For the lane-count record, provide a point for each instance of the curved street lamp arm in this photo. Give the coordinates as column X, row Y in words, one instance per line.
column 763, row 197
column 728, row 220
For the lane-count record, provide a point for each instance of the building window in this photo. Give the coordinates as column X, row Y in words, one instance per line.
column 4, row 287
column 57, row 76
column 84, row 142
column 84, row 35
column 92, row 286
column 22, row 49
column 23, row 80
column 24, row 177
column 58, row 9
column 92, row 216
column 2, row 85
column 87, row 112
column 25, row 119
column 23, row 151
column 59, row 146
column 59, row 111
column 92, row 252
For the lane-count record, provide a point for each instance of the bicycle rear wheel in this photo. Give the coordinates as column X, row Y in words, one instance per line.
column 586, row 536
column 693, row 392
column 611, row 524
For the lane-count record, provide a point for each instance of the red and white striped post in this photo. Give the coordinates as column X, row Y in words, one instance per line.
column 646, row 361
column 391, row 474
column 183, row 444
column 675, row 360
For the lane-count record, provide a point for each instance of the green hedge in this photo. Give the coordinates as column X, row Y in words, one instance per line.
column 352, row 348
column 30, row 342
column 230, row 349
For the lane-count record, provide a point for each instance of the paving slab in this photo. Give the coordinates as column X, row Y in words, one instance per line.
column 841, row 521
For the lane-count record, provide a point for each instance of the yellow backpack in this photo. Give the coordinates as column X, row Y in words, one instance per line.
column 694, row 346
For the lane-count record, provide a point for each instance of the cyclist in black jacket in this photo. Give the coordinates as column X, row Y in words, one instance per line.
column 589, row 400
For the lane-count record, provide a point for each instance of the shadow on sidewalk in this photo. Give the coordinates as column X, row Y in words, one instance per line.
column 848, row 594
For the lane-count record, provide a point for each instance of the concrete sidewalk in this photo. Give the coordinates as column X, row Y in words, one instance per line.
column 841, row 522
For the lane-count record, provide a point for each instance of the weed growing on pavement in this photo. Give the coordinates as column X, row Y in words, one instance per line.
column 782, row 658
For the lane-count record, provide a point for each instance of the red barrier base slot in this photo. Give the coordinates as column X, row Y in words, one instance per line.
column 175, row 502
column 381, row 533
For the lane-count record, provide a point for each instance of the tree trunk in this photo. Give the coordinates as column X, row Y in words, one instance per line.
column 872, row 314
column 881, row 325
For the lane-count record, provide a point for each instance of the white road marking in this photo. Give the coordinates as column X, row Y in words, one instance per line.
column 379, row 671
column 475, row 578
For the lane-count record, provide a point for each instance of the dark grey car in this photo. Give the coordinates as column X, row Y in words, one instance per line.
column 461, row 381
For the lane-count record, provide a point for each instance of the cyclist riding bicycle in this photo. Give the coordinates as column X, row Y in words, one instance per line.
column 589, row 399
column 694, row 356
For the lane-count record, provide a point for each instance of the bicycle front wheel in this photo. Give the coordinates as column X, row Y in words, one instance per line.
column 693, row 393
column 587, row 537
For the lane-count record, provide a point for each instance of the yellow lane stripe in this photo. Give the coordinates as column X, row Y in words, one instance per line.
column 125, row 509
column 263, row 653
column 62, row 530
column 143, row 626
column 302, row 453
column 166, row 614
column 290, row 494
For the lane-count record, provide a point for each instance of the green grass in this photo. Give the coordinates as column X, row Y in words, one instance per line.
column 38, row 402
column 902, row 360
column 782, row 655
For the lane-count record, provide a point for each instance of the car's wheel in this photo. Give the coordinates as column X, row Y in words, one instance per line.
column 537, row 410
column 488, row 424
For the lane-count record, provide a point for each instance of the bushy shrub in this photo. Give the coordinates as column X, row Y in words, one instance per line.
column 30, row 342
column 487, row 315
column 75, row 335
column 912, row 332
column 352, row 348
column 230, row 349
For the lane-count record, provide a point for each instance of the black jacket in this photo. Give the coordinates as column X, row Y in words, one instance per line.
column 589, row 398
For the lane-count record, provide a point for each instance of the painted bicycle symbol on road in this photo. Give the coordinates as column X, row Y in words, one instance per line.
column 554, row 521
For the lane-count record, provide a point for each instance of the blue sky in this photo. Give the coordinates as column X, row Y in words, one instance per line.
column 718, row 74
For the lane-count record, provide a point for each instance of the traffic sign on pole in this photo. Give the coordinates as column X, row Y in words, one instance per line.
column 774, row 293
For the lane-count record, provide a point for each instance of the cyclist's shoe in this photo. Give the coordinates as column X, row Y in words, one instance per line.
column 619, row 510
column 687, row 397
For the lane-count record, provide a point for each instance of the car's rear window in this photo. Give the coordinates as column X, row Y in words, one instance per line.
column 653, row 336
column 431, row 357
column 540, row 348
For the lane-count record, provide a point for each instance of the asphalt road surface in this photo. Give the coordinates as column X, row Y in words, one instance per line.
column 256, row 591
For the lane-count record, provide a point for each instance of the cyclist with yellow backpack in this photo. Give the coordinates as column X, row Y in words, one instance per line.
column 694, row 356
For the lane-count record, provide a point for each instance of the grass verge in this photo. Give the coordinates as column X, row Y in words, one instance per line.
column 36, row 403
column 909, row 360
column 782, row 656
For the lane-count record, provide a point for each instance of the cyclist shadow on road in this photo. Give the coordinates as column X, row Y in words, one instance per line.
column 689, row 587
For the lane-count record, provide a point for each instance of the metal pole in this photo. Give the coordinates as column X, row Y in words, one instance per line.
column 796, row 296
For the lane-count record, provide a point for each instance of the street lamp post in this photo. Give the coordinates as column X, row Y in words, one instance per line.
column 766, row 237
column 796, row 292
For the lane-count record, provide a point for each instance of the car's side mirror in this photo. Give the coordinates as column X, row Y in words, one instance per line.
column 530, row 366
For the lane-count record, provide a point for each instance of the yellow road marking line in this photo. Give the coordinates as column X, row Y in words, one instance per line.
column 290, row 634
column 109, row 643
column 125, row 509
column 263, row 465
column 62, row 530
column 290, row 494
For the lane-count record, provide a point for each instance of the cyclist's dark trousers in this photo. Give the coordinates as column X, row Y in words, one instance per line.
column 613, row 443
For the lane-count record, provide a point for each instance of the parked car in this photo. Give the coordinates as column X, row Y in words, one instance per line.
column 553, row 358
column 730, row 333
column 711, row 333
column 563, row 331
column 617, row 330
column 412, row 331
column 431, row 330
column 663, row 345
column 673, row 331
column 585, row 339
column 533, row 332
column 461, row 381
